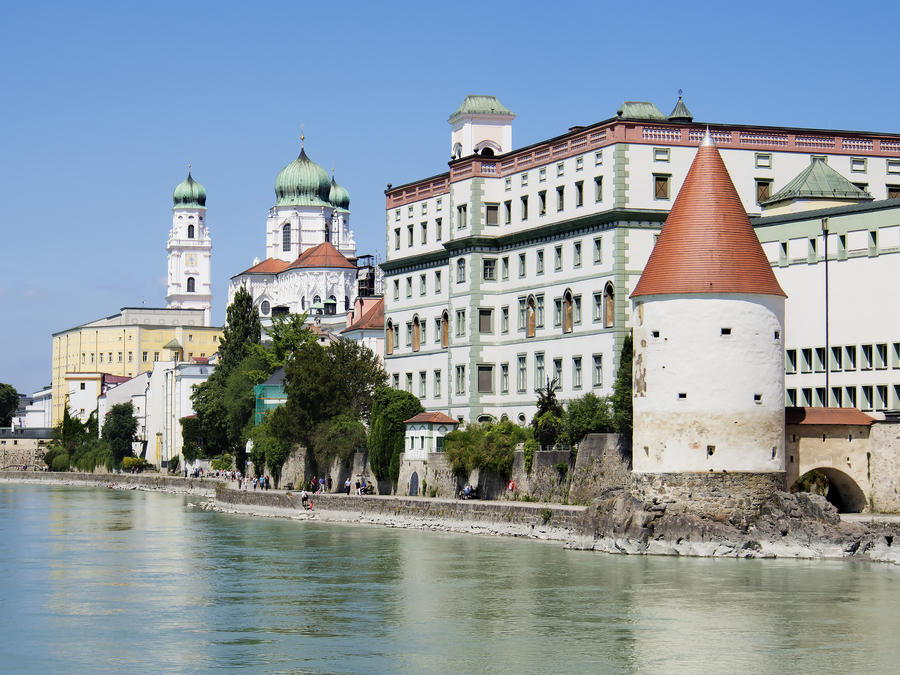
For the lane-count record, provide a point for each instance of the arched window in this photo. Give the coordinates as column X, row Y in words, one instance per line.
column 346, row 303
column 609, row 306
column 190, row 285
column 286, row 237
column 532, row 312
column 190, row 231
column 389, row 338
column 567, row 312
column 445, row 329
column 416, row 333
column 460, row 271
column 303, row 302
column 317, row 299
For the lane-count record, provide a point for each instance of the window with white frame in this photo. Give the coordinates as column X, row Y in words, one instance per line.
column 460, row 379
column 597, row 371
column 576, row 372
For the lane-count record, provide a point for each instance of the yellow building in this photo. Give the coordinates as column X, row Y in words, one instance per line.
column 128, row 343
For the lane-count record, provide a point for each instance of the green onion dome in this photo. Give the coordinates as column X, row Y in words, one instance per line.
column 302, row 183
column 339, row 196
column 189, row 194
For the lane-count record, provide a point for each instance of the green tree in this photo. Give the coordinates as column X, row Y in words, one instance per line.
column 119, row 429
column 337, row 438
column 242, row 329
column 221, row 401
column 9, row 401
column 356, row 373
column 287, row 333
column 390, row 408
column 484, row 446
column 622, row 397
column 586, row 415
column 547, row 422
column 190, row 437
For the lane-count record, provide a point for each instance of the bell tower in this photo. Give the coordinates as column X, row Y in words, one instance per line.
column 189, row 251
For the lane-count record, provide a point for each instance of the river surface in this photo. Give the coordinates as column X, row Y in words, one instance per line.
column 103, row 580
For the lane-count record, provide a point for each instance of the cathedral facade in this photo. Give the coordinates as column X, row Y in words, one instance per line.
column 311, row 265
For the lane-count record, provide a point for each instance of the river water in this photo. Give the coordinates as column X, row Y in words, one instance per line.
column 103, row 580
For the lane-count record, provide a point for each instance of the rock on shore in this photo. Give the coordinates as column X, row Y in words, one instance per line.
column 799, row 525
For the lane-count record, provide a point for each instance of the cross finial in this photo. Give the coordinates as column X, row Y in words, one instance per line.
column 189, row 167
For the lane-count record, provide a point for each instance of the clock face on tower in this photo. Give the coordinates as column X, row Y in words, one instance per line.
column 191, row 259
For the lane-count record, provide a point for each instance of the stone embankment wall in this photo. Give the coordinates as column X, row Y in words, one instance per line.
column 603, row 463
column 542, row 521
column 145, row 481
column 884, row 441
column 729, row 496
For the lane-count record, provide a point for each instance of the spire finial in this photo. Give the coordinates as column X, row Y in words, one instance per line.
column 332, row 171
column 707, row 138
column 680, row 92
column 189, row 167
column 302, row 137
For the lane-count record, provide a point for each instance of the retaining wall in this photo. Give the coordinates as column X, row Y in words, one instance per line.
column 542, row 521
column 146, row 481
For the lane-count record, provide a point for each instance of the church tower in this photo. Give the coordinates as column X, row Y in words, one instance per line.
column 189, row 251
column 708, row 338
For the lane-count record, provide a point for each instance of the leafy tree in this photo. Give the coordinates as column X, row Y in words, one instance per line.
column 268, row 450
column 484, row 446
column 119, row 429
column 9, row 401
column 547, row 422
column 92, row 452
column 242, row 329
column 390, row 408
column 586, row 415
column 622, row 398
column 337, row 438
column 356, row 373
column 287, row 333
column 190, row 438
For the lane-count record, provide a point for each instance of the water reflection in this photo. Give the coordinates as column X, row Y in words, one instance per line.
column 99, row 579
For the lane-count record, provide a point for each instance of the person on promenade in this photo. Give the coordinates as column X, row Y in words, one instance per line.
column 347, row 485
column 267, row 481
column 358, row 485
column 321, row 485
column 328, row 484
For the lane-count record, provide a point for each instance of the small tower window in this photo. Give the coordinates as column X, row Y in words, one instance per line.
column 286, row 238
column 757, row 399
column 190, row 231
column 682, row 395
column 654, row 333
column 777, row 334
column 726, row 331
column 710, row 450
column 190, row 285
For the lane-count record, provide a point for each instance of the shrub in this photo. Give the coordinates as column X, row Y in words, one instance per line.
column 60, row 462
column 173, row 464
column 546, row 515
column 221, row 463
column 530, row 447
column 91, row 454
column 134, row 463
column 484, row 446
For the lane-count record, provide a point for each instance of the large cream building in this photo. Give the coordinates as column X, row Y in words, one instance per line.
column 515, row 265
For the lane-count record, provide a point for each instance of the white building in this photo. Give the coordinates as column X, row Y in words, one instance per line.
column 310, row 263
column 36, row 412
column 515, row 265
column 160, row 398
column 708, row 338
column 189, row 251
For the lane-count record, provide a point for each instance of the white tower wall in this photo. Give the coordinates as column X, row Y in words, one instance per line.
column 705, row 399
column 189, row 258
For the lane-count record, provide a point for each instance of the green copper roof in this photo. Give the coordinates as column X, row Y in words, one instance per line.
column 640, row 110
column 302, row 183
column 818, row 181
column 681, row 112
column 189, row 194
column 339, row 196
column 172, row 344
column 482, row 105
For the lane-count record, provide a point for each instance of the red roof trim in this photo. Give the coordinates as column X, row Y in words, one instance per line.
column 432, row 418
column 843, row 416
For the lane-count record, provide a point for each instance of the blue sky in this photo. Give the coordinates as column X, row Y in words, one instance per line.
column 104, row 104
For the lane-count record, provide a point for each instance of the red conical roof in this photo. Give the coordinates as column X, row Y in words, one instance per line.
column 707, row 244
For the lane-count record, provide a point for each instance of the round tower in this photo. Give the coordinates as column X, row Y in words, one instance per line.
column 189, row 250
column 708, row 337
